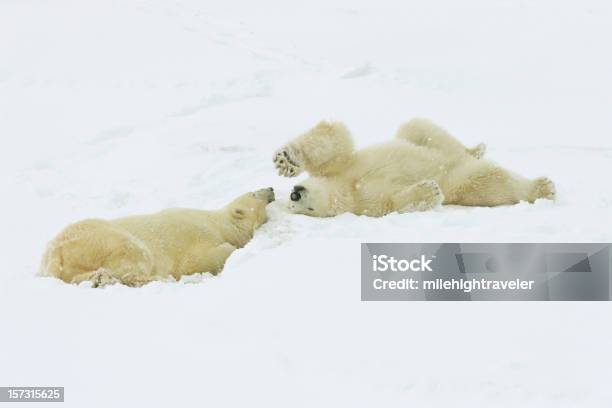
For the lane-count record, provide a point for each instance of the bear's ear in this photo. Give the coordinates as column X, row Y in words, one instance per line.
column 238, row 213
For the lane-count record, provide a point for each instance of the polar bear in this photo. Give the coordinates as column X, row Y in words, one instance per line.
column 139, row 249
column 420, row 169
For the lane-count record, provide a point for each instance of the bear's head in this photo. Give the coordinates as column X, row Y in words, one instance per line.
column 248, row 211
column 320, row 197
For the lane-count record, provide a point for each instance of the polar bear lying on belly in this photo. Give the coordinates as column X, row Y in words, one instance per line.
column 420, row 169
column 139, row 249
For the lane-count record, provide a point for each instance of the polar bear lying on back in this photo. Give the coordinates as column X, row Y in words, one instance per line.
column 420, row 169
column 136, row 250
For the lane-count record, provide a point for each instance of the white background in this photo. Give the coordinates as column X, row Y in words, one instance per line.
column 110, row 108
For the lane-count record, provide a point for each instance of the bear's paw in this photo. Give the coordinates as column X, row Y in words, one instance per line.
column 288, row 161
column 543, row 187
column 423, row 196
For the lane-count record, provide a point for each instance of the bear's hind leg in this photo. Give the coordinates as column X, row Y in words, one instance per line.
column 483, row 183
column 105, row 255
column 422, row 196
column 423, row 132
column 322, row 151
column 121, row 271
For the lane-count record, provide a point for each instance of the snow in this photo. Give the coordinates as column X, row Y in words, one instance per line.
column 110, row 108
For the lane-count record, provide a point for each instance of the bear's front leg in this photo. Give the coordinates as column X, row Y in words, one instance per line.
column 324, row 150
column 288, row 161
column 422, row 196
column 202, row 258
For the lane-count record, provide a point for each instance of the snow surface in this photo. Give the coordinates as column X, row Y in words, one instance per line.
column 110, row 108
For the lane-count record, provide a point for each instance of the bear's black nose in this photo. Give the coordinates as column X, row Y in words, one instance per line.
column 295, row 196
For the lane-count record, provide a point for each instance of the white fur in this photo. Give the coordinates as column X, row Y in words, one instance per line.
column 172, row 243
column 421, row 168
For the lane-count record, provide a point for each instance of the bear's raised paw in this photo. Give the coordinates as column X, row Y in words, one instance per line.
column 288, row 161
